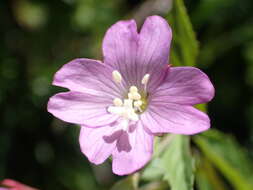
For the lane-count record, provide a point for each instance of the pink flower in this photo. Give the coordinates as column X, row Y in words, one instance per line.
column 14, row 185
column 124, row 101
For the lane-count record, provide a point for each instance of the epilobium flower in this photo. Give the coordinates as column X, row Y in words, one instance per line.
column 122, row 102
column 14, row 185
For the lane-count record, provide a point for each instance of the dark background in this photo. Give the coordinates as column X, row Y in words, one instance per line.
column 39, row 36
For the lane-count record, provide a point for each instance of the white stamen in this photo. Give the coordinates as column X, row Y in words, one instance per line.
column 116, row 76
column 145, row 79
column 136, row 96
column 133, row 89
column 129, row 113
column 129, row 108
column 117, row 102
column 137, row 103
column 130, row 96
column 128, row 103
column 116, row 110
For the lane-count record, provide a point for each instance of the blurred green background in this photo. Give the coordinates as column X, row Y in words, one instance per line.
column 38, row 36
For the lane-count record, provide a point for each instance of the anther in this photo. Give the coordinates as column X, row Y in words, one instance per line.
column 116, row 110
column 133, row 89
column 116, row 76
column 117, row 102
column 145, row 79
column 128, row 103
column 130, row 96
column 136, row 96
column 137, row 103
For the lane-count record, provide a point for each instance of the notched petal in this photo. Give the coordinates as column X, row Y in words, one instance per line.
column 175, row 118
column 87, row 76
column 113, row 137
column 81, row 108
column 184, row 85
column 121, row 138
column 94, row 145
column 123, row 143
column 126, row 160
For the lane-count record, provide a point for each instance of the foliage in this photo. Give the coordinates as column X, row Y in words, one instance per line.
column 175, row 164
column 184, row 46
column 227, row 156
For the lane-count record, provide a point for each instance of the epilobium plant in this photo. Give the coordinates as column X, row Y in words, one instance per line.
column 124, row 101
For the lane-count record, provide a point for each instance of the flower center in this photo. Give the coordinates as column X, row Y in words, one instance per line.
column 135, row 102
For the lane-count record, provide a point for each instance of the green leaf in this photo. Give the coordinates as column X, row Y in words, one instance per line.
column 184, row 44
column 173, row 163
column 179, row 164
column 228, row 157
column 201, row 107
column 154, row 170
column 207, row 177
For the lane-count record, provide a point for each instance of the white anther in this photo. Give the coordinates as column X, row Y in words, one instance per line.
column 145, row 79
column 116, row 76
column 116, row 110
column 133, row 89
column 136, row 96
column 128, row 103
column 137, row 103
column 130, row 96
column 117, row 102
column 128, row 107
column 130, row 114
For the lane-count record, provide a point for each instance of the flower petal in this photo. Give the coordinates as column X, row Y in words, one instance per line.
column 184, row 85
column 88, row 76
column 14, row 185
column 153, row 49
column 175, row 118
column 134, row 150
column 81, row 108
column 135, row 55
column 98, row 143
column 120, row 48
